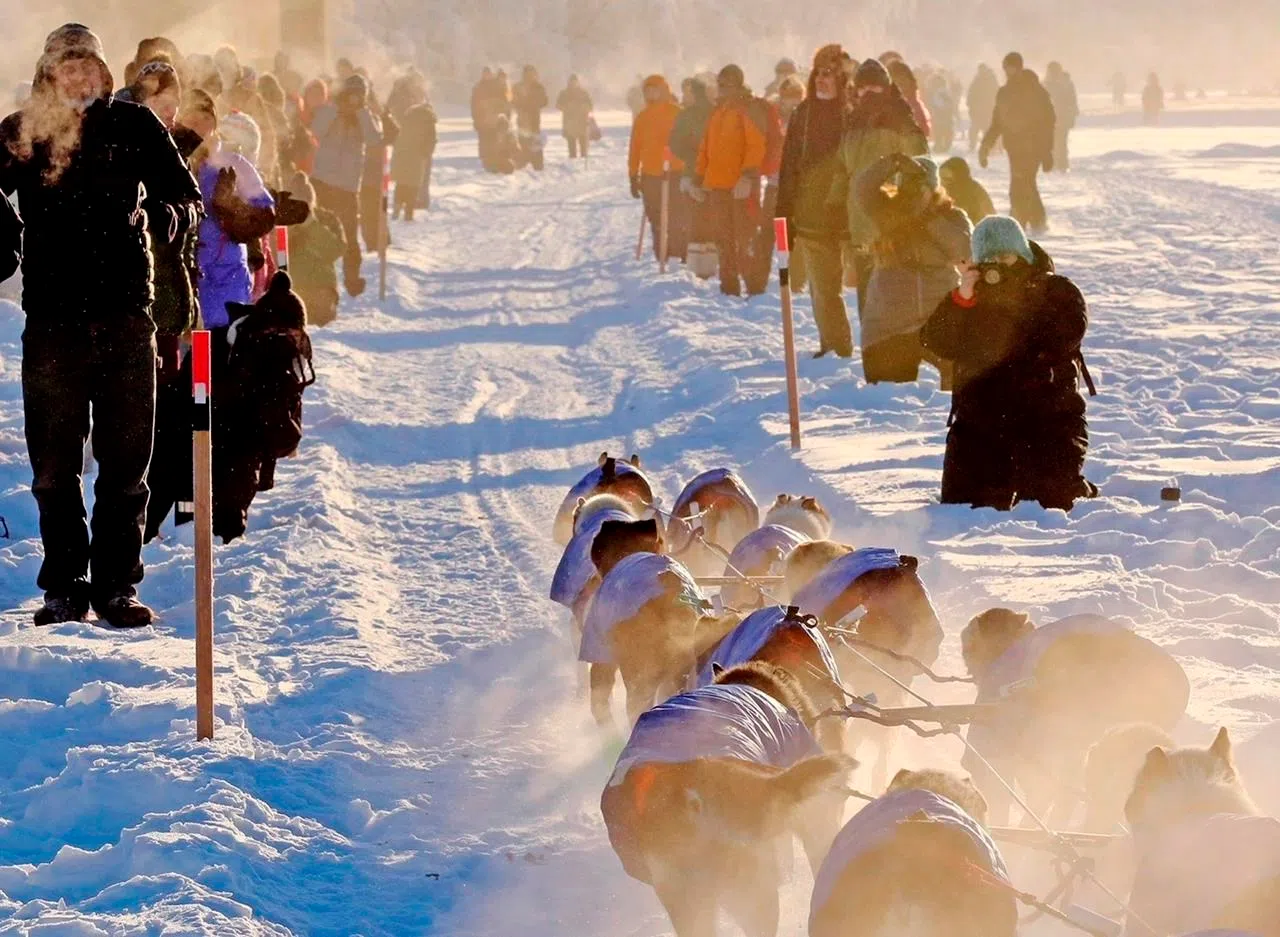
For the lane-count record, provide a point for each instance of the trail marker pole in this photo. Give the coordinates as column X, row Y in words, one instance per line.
column 640, row 237
column 664, row 241
column 282, row 248
column 788, row 327
column 202, row 411
column 385, row 233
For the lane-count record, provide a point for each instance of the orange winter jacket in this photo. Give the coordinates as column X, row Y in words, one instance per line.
column 733, row 146
column 649, row 136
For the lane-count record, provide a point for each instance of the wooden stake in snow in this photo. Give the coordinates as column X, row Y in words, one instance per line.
column 788, row 327
column 385, row 234
column 664, row 240
column 202, row 400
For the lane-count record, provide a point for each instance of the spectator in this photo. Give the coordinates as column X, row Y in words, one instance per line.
column 686, row 139
column 1066, row 110
column 966, row 191
column 76, row 158
column 575, row 107
column 1024, row 120
column 649, row 171
column 411, row 160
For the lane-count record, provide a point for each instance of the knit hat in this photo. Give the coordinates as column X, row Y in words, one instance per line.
column 932, row 177
column 162, row 74
column 239, row 132
column 871, row 74
column 72, row 41
column 1000, row 234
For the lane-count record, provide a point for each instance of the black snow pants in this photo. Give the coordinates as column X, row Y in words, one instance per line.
column 346, row 205
column 733, row 226
column 1024, row 189
column 69, row 372
column 677, row 215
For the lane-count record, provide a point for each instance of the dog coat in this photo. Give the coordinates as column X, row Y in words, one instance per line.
column 838, row 575
column 733, row 721
column 590, row 485
column 877, row 822
column 1190, row 873
column 730, row 491
column 576, row 569
column 760, row 553
column 632, row 584
column 755, row 631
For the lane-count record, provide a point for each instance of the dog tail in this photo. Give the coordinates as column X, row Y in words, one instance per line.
column 809, row 778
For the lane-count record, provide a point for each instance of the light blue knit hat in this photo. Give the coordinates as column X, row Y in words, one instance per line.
column 1000, row 234
column 932, row 175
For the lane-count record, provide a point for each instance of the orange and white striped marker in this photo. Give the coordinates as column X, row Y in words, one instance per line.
column 282, row 248
column 202, row 448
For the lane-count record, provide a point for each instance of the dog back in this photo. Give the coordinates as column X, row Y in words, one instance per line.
column 759, row 628
column 824, row 592
column 879, row 821
column 718, row 488
column 763, row 552
column 635, row 582
column 576, row 569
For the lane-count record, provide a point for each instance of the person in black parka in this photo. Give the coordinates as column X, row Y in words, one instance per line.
column 1024, row 121
column 1013, row 330
column 99, row 182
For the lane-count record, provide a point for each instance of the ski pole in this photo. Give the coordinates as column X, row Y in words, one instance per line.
column 385, row 228
column 788, row 327
column 201, row 425
column 664, row 240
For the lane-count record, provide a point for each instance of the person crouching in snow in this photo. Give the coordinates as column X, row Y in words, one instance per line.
column 238, row 210
column 921, row 237
column 1013, row 330
column 314, row 247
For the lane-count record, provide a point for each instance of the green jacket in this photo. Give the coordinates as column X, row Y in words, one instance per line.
column 687, row 132
column 314, row 247
column 880, row 126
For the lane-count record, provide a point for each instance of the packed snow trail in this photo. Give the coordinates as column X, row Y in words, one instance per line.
column 402, row 748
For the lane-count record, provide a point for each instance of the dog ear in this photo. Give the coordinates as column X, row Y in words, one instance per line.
column 1221, row 747
column 909, row 563
column 782, row 499
column 716, row 671
column 604, row 457
column 635, row 460
column 900, row 780
column 1157, row 764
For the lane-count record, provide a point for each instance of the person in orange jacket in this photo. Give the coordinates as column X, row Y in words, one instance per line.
column 729, row 161
column 650, row 164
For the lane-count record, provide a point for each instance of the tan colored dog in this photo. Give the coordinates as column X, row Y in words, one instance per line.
column 1206, row 858
column 916, row 863
column 809, row 559
column 804, row 515
column 1057, row 690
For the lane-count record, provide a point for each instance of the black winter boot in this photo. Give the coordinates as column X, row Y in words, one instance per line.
column 125, row 611
column 62, row 608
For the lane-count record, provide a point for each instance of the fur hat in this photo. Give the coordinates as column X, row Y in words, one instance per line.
column 871, row 74
column 240, row 132
column 162, row 73
column 72, row 41
column 1000, row 234
column 829, row 56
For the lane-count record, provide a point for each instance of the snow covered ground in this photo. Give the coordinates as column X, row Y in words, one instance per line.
column 401, row 748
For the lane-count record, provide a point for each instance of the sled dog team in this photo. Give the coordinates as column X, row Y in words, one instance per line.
column 740, row 736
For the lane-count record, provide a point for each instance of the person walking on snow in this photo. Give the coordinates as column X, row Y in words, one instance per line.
column 575, row 107
column 99, row 181
column 1013, row 331
column 1024, row 120
column 1152, row 100
column 981, row 102
column 529, row 98
column 646, row 167
column 1066, row 110
column 729, row 161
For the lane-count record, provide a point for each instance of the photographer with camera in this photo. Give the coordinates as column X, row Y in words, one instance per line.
column 920, row 239
column 1013, row 329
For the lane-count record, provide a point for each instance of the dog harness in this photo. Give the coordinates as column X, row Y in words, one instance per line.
column 576, row 569
column 632, row 584
column 878, row 821
column 1192, row 872
column 719, row 488
column 839, row 575
column 1019, row 662
column 744, row 642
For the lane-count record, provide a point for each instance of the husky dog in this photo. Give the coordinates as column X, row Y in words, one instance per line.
column 1057, row 690
column 1110, row 768
column 641, row 626
column 726, row 512
column 917, row 862
column 624, row 478
column 804, row 515
column 807, row 560
column 708, row 782
column 869, row 600
column 1206, row 857
column 763, row 552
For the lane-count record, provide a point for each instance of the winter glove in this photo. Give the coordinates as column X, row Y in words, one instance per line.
column 742, row 188
column 692, row 189
column 289, row 210
column 1047, row 162
column 635, row 186
column 225, row 187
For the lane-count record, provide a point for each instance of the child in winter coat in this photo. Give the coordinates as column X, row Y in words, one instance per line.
column 315, row 246
column 1013, row 329
column 411, row 160
column 966, row 191
column 921, row 237
column 504, row 155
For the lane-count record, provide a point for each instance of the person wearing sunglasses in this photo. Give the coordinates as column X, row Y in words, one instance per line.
column 1013, row 329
